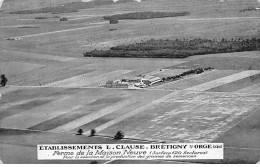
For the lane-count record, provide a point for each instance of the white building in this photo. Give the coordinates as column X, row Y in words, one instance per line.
column 150, row 80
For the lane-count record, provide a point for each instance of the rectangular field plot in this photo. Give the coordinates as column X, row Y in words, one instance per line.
column 197, row 79
column 80, row 79
column 99, row 119
column 94, row 79
column 137, row 64
column 254, row 89
column 224, row 63
column 75, row 114
column 167, row 73
column 248, row 85
column 66, row 103
column 14, row 68
column 225, row 80
column 62, row 110
column 187, row 117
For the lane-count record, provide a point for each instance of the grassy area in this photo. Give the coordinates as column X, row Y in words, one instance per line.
column 79, row 41
column 228, row 61
column 54, row 10
column 145, row 15
column 69, row 7
column 178, row 48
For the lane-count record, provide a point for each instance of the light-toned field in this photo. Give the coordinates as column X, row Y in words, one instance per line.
column 228, row 61
column 245, row 85
column 250, row 89
column 70, row 104
column 188, row 117
column 172, row 116
column 225, row 80
column 69, row 109
column 167, row 72
column 93, row 79
column 11, row 68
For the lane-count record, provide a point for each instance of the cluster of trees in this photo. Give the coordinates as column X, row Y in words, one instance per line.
column 61, row 19
column 194, row 71
column 41, row 17
column 145, row 15
column 251, row 8
column 178, row 48
column 64, row 19
column 113, row 21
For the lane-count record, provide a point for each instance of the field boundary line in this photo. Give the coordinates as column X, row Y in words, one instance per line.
column 224, row 80
column 39, row 56
column 55, row 32
column 54, row 109
column 70, row 79
column 145, row 89
column 219, row 18
column 132, row 113
column 92, row 116
column 248, row 88
column 223, row 133
column 91, row 80
column 15, row 103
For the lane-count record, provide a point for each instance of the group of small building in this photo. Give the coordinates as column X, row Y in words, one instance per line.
column 138, row 82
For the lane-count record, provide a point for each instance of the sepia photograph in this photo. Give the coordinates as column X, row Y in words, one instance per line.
column 130, row 82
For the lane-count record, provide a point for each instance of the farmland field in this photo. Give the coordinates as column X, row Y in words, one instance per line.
column 250, row 89
column 223, row 81
column 52, row 90
column 226, row 63
column 245, row 83
column 77, row 36
column 188, row 120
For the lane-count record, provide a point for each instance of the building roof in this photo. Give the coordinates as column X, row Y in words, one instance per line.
column 133, row 78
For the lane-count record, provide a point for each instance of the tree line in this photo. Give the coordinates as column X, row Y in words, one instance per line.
column 189, row 72
column 145, row 15
column 178, row 48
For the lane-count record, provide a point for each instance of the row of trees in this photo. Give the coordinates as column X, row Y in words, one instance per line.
column 193, row 71
column 251, row 8
column 145, row 15
column 178, row 48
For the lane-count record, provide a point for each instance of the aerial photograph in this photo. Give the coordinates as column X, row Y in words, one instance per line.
column 137, row 72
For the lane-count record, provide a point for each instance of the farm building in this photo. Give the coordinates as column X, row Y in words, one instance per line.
column 150, row 80
column 132, row 79
column 140, row 82
column 140, row 85
column 116, row 84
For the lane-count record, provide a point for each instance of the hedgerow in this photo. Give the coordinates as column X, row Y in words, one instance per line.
column 145, row 15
